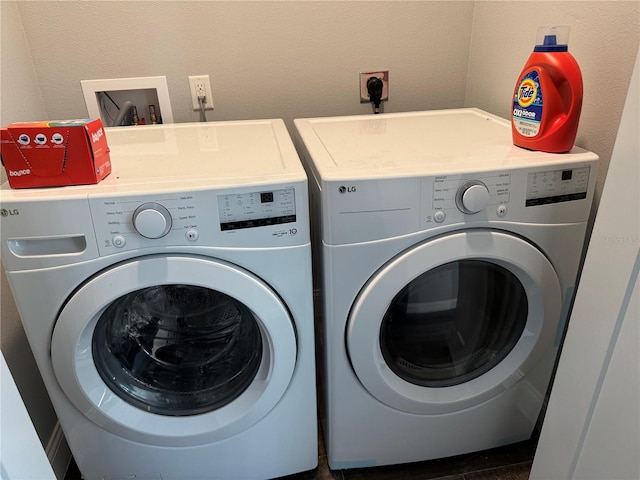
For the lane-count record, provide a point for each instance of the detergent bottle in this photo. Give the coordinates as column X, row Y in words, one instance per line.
column 547, row 99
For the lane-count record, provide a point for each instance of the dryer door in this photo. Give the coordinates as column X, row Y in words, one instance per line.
column 454, row 321
column 174, row 350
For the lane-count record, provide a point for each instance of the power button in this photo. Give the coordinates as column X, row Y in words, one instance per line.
column 118, row 241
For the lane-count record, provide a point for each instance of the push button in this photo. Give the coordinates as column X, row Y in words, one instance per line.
column 192, row 235
column 118, row 241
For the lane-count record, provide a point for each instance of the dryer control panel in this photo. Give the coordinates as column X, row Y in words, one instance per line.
column 372, row 209
column 449, row 191
column 519, row 195
column 556, row 186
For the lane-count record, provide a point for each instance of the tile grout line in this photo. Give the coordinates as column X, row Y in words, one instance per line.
column 469, row 475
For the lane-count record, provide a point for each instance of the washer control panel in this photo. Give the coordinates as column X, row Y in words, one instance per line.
column 236, row 218
column 256, row 209
column 152, row 220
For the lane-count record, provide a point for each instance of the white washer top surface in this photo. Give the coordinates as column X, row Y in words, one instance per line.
column 186, row 155
column 418, row 143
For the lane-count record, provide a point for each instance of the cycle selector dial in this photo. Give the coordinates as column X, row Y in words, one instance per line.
column 152, row 220
column 472, row 197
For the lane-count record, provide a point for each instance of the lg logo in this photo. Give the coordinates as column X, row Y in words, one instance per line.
column 5, row 213
column 343, row 189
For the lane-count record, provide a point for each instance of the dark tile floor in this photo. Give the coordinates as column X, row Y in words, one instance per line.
column 511, row 462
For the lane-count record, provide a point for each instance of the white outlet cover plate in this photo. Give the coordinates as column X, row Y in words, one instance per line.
column 193, row 79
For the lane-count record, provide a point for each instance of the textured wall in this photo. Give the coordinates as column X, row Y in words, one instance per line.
column 283, row 59
column 21, row 96
column 604, row 39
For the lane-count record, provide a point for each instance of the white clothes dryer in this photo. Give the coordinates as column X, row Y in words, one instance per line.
column 448, row 259
column 169, row 308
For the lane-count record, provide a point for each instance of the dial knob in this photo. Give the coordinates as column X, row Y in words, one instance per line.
column 152, row 220
column 472, row 197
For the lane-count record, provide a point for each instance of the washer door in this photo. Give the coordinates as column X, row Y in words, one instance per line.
column 453, row 322
column 174, row 350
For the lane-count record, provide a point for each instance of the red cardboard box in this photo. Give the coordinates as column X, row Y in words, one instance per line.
column 54, row 153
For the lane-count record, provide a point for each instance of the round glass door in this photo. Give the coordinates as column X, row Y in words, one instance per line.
column 174, row 350
column 177, row 349
column 453, row 321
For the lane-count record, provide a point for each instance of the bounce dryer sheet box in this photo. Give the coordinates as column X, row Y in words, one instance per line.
column 55, row 153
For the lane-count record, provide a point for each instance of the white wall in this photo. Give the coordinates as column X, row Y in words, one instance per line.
column 282, row 59
column 21, row 97
column 21, row 452
column 20, row 101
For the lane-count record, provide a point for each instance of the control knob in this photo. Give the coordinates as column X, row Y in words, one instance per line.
column 472, row 197
column 152, row 220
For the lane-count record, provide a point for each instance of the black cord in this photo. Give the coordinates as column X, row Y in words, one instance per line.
column 374, row 88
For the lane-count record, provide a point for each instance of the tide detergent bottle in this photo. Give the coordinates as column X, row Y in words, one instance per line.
column 547, row 99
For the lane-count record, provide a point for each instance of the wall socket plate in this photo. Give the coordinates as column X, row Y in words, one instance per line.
column 196, row 81
column 381, row 74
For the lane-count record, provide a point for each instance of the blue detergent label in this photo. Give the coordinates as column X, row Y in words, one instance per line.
column 527, row 105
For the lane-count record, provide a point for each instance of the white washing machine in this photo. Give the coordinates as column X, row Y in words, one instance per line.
column 169, row 308
column 448, row 260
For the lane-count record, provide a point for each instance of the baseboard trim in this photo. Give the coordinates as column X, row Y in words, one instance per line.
column 58, row 452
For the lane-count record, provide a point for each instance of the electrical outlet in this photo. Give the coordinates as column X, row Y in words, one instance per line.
column 200, row 84
column 381, row 74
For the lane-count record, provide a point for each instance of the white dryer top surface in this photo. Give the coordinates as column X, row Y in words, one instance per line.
column 189, row 155
column 418, row 143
